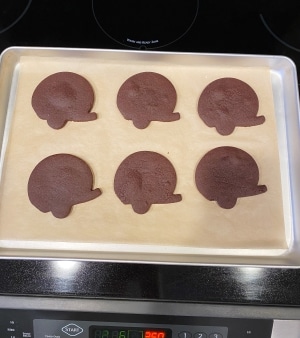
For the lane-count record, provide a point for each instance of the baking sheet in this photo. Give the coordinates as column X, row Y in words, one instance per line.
column 259, row 226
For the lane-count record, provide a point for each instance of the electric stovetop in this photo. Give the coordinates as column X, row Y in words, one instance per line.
column 207, row 26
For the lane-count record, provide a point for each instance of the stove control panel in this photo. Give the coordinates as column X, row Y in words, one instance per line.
column 64, row 324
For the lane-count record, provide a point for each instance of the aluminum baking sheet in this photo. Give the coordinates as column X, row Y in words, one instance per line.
column 269, row 237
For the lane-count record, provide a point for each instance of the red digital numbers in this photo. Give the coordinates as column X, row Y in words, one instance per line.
column 155, row 334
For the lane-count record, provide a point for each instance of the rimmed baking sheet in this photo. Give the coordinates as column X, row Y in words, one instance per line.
column 261, row 229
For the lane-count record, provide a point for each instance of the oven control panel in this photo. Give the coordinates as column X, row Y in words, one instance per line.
column 64, row 324
column 82, row 329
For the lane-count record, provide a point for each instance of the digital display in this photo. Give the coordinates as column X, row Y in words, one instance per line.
column 128, row 332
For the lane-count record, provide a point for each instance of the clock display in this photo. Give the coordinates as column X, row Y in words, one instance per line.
column 128, row 332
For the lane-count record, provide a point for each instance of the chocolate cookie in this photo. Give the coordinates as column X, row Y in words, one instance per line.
column 227, row 173
column 147, row 97
column 60, row 181
column 63, row 97
column 146, row 178
column 227, row 103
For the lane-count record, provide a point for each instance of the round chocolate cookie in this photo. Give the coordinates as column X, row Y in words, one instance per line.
column 227, row 173
column 227, row 103
column 147, row 97
column 60, row 181
column 63, row 97
column 146, row 178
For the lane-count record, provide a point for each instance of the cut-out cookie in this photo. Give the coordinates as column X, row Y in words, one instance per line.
column 227, row 173
column 63, row 97
column 60, row 181
column 147, row 97
column 145, row 178
column 227, row 103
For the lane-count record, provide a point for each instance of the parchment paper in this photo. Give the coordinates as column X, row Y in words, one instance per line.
column 255, row 222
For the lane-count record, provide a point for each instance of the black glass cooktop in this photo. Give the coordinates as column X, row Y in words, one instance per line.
column 209, row 26
column 146, row 24
column 214, row 26
column 11, row 12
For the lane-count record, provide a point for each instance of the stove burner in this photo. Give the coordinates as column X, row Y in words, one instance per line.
column 145, row 24
column 11, row 12
column 284, row 27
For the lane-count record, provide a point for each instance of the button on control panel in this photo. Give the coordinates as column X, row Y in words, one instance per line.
column 204, row 335
column 11, row 329
column 8, row 329
column 15, row 328
column 200, row 335
column 209, row 332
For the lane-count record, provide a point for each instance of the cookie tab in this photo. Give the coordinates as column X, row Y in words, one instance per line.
column 60, row 181
column 227, row 173
column 147, row 97
column 227, row 103
column 63, row 97
column 145, row 178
